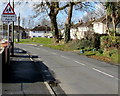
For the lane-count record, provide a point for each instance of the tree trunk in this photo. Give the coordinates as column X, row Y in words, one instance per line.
column 68, row 23
column 53, row 18
column 108, row 31
column 55, row 28
column 114, row 25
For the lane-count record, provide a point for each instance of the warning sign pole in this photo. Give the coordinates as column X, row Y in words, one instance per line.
column 8, row 32
column 12, row 43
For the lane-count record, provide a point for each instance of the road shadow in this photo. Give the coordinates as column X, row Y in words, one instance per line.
column 22, row 70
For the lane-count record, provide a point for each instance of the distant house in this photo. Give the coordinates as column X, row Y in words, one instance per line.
column 23, row 34
column 80, row 30
column 99, row 25
column 40, row 31
column 84, row 29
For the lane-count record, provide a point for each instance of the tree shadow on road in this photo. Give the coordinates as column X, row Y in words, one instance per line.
column 22, row 70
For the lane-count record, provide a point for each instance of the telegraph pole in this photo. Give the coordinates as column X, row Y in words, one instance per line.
column 19, row 28
column 12, row 43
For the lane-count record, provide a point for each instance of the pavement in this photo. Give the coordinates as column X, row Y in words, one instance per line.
column 22, row 77
column 78, row 74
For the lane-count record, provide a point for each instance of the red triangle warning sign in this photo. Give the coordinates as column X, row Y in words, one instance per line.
column 8, row 10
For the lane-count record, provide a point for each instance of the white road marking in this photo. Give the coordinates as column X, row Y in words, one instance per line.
column 65, row 57
column 38, row 48
column 79, row 63
column 44, row 50
column 103, row 62
column 103, row 72
column 50, row 90
column 54, row 53
column 31, row 59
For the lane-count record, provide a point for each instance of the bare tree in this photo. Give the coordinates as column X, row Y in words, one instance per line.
column 52, row 9
column 68, row 22
column 81, row 6
column 113, row 11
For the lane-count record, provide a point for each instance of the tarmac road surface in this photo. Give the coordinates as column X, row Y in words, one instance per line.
column 77, row 74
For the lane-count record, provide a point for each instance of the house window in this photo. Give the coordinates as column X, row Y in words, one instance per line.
column 34, row 36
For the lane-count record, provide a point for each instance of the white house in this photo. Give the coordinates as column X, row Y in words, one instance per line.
column 99, row 26
column 40, row 31
column 22, row 34
column 73, row 33
column 80, row 30
column 85, row 29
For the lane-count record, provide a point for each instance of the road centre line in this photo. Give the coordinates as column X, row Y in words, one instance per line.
column 98, row 70
column 54, row 53
column 103, row 72
column 38, row 48
column 64, row 57
column 79, row 63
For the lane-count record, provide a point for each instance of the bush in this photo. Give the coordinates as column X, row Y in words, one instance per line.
column 80, row 44
column 110, row 41
column 100, row 51
column 86, row 43
column 96, row 40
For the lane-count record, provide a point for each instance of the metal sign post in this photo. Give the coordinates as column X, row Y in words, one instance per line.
column 12, row 43
column 3, row 31
column 8, row 32
column 9, row 15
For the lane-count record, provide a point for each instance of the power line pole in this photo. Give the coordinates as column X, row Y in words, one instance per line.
column 19, row 28
column 12, row 43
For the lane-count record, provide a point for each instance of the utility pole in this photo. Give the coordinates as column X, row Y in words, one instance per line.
column 19, row 28
column 12, row 43
column 3, row 31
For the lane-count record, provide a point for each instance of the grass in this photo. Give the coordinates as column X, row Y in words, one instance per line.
column 45, row 41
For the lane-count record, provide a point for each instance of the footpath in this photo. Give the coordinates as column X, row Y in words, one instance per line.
column 21, row 76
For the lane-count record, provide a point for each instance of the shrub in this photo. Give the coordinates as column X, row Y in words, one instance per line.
column 110, row 41
column 96, row 40
column 86, row 43
column 100, row 51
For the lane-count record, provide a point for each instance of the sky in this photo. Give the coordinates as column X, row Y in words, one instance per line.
column 26, row 12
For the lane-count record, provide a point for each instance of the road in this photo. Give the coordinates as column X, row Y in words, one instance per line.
column 77, row 74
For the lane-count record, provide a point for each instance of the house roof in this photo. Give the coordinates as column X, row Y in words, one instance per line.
column 16, row 28
column 102, row 19
column 81, row 24
column 41, row 28
column 89, row 23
